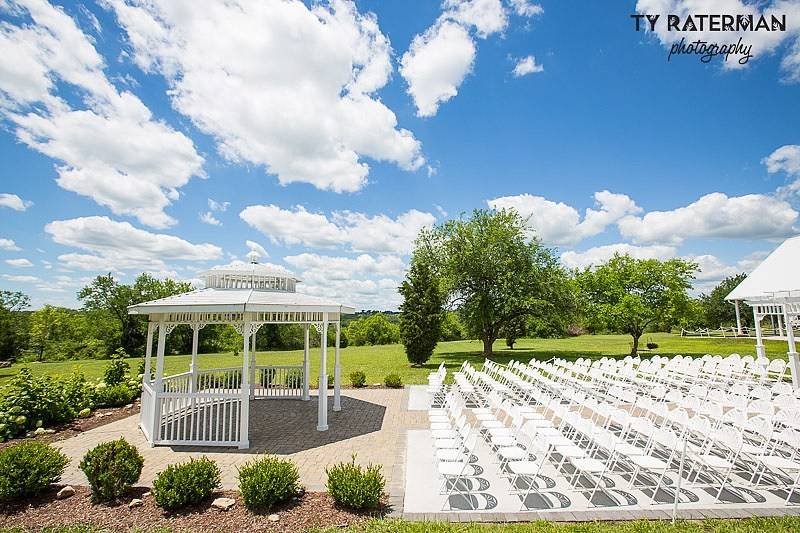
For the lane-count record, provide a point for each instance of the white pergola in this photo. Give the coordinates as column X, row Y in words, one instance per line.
column 772, row 289
column 212, row 407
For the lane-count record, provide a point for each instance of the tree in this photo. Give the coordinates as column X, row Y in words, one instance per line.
column 12, row 323
column 45, row 324
column 492, row 273
column 107, row 296
column 719, row 312
column 629, row 295
column 513, row 330
column 420, row 312
column 374, row 329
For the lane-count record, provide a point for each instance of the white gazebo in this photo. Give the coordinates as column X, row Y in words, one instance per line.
column 211, row 407
column 772, row 289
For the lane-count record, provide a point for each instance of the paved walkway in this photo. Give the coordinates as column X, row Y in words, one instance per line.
column 371, row 424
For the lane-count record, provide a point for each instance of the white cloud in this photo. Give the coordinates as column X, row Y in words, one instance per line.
column 526, row 65
column 214, row 205
column 438, row 60
column 19, row 263
column 20, row 279
column 9, row 245
column 436, row 64
column 299, row 83
column 763, row 42
column 209, row 218
column 365, row 281
column 526, row 8
column 257, row 248
column 113, row 245
column 601, row 254
column 785, row 159
column 346, row 229
column 12, row 201
column 486, row 16
column 715, row 215
column 112, row 151
column 559, row 223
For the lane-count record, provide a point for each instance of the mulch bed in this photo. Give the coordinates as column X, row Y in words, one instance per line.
column 100, row 417
column 314, row 509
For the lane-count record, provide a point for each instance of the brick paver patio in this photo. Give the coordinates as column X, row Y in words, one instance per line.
column 371, row 424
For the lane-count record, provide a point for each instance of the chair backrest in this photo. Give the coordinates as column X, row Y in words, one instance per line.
column 730, row 437
column 762, row 407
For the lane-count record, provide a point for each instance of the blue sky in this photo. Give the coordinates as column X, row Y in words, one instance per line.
column 165, row 139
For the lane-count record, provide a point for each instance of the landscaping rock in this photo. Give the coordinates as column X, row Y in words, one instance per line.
column 129, row 406
column 223, row 504
column 273, row 518
column 146, row 494
column 39, row 431
column 65, row 493
column 136, row 502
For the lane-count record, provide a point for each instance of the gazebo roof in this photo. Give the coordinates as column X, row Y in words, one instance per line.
column 244, row 300
column 243, row 287
column 777, row 274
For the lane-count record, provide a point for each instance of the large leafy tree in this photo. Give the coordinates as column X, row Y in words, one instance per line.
column 421, row 312
column 493, row 273
column 12, row 323
column 629, row 295
column 719, row 312
column 107, row 296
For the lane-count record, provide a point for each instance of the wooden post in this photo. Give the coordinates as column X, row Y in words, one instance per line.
column 244, row 423
column 337, row 371
column 148, row 353
column 794, row 360
column 322, row 413
column 760, row 351
column 193, row 364
column 738, row 318
column 306, row 364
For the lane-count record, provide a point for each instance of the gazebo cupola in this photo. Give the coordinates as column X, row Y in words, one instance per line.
column 249, row 276
column 212, row 407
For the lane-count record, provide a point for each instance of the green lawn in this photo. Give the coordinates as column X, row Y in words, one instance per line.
column 378, row 361
column 748, row 525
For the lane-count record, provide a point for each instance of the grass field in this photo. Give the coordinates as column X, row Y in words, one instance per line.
column 378, row 361
column 748, row 525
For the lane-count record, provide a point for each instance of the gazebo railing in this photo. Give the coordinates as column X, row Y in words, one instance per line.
column 147, row 415
column 201, row 418
column 282, row 381
column 209, row 412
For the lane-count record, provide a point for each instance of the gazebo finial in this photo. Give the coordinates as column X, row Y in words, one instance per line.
column 253, row 256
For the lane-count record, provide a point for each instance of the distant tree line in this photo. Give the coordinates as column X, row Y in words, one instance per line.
column 481, row 277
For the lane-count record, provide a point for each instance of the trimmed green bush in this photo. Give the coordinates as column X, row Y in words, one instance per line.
column 111, row 468
column 393, row 381
column 116, row 370
column 28, row 468
column 354, row 487
column 185, row 484
column 268, row 481
column 114, row 395
column 358, row 379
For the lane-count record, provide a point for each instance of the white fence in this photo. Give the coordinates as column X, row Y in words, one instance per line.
column 278, row 382
column 208, row 412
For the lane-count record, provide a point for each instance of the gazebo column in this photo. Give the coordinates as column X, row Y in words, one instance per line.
column 193, row 364
column 760, row 351
column 158, row 388
column 148, row 353
column 253, row 365
column 780, row 325
column 738, row 318
column 794, row 361
column 322, row 413
column 244, row 423
column 306, row 366
column 337, row 371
